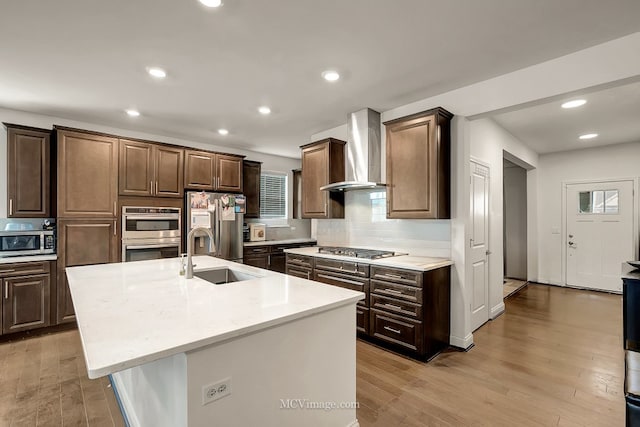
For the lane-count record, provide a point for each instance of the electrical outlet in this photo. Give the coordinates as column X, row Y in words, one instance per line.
column 216, row 391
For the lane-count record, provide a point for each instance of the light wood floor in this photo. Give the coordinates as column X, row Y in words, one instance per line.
column 554, row 358
column 511, row 286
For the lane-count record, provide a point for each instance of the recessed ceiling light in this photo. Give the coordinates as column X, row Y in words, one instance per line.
column 588, row 136
column 211, row 3
column 264, row 110
column 223, row 131
column 156, row 72
column 330, row 75
column 575, row 103
column 133, row 113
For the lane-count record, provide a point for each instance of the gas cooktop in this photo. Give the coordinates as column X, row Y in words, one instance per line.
column 356, row 253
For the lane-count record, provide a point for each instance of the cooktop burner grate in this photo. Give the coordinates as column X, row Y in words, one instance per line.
column 355, row 252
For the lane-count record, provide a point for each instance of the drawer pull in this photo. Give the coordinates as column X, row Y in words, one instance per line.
column 395, row 276
column 393, row 291
column 6, row 291
column 397, row 331
column 338, row 279
column 397, row 307
column 6, row 271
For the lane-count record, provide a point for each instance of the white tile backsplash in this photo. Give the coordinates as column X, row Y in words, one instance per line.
column 365, row 225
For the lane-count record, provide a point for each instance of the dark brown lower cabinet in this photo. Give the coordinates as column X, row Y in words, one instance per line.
column 26, row 295
column 404, row 310
column 270, row 257
column 82, row 242
column 260, row 261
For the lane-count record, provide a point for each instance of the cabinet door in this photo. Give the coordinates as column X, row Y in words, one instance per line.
column 87, row 175
column 277, row 262
column 418, row 166
column 229, row 173
column 82, row 242
column 315, row 174
column 199, row 171
column 169, row 163
column 260, row 261
column 28, row 181
column 251, row 187
column 25, row 303
column 136, row 168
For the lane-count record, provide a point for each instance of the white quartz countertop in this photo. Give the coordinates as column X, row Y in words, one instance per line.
column 409, row 262
column 28, row 258
column 280, row 242
column 132, row 313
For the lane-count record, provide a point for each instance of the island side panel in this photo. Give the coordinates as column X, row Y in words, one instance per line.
column 154, row 394
column 308, row 362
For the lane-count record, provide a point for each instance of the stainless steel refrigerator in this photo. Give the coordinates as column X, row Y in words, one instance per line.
column 221, row 212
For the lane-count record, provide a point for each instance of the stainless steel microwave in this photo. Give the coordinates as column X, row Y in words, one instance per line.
column 35, row 242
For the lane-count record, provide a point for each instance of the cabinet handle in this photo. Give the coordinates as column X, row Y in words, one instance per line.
column 6, row 291
column 151, row 187
column 115, row 213
column 395, row 276
column 6, row 271
column 10, row 207
column 156, row 188
column 397, row 307
column 269, row 260
column 115, row 227
column 393, row 291
column 397, row 331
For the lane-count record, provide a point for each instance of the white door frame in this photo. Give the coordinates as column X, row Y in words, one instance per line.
column 468, row 265
column 563, row 226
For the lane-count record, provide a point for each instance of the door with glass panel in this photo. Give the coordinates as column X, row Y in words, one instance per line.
column 599, row 233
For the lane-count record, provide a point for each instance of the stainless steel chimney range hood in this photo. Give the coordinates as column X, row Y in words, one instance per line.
column 363, row 168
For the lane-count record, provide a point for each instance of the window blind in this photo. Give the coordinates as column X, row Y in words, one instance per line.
column 273, row 195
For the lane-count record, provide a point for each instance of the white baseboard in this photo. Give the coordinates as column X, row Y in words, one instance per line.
column 496, row 311
column 459, row 342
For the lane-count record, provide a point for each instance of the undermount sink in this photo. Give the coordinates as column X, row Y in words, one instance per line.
column 224, row 275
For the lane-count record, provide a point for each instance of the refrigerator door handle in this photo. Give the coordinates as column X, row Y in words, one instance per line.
column 218, row 226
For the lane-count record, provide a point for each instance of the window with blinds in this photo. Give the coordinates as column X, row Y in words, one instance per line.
column 273, row 195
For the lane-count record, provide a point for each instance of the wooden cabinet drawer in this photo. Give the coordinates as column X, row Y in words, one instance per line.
column 397, row 330
column 296, row 271
column 343, row 281
column 345, row 267
column 403, row 308
column 362, row 319
column 254, row 250
column 405, row 277
column 409, row 293
column 24, row 268
column 260, row 261
column 300, row 260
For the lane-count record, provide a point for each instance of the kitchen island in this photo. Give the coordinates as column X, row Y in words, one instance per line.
column 267, row 343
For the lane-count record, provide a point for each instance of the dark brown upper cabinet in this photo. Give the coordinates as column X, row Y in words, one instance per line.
column 322, row 164
column 148, row 169
column 28, row 172
column 87, row 176
column 213, row 171
column 251, row 186
column 419, row 165
column 229, row 173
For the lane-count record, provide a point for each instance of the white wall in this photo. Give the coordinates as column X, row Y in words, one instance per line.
column 610, row 162
column 515, row 222
column 269, row 162
column 488, row 142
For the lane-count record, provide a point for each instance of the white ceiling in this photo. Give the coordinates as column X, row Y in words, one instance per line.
column 613, row 113
column 86, row 60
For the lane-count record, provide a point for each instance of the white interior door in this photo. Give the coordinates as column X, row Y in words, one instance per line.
column 599, row 233
column 479, row 245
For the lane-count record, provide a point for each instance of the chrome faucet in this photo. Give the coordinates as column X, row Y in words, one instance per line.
column 190, row 243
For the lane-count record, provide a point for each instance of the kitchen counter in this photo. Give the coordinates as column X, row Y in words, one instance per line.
column 28, row 258
column 408, row 262
column 280, row 242
column 165, row 339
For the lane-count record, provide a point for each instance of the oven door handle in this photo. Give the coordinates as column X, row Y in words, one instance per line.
column 151, row 217
column 166, row 245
